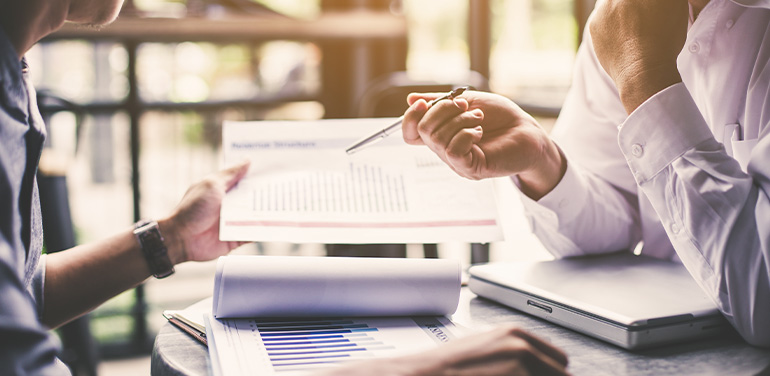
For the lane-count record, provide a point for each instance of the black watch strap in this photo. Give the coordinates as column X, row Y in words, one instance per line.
column 153, row 248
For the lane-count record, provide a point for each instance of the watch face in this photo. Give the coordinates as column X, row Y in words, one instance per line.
column 155, row 252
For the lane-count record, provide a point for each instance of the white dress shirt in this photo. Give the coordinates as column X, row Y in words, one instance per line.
column 687, row 175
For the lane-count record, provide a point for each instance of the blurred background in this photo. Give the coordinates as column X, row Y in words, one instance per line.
column 134, row 111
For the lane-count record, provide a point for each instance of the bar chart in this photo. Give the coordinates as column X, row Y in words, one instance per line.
column 303, row 188
column 361, row 188
column 294, row 345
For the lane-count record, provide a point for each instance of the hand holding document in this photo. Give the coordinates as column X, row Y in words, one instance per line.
column 302, row 187
column 294, row 315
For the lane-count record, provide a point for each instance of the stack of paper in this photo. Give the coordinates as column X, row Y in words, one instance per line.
column 291, row 315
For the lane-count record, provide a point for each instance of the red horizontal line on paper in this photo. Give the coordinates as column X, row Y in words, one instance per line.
column 458, row 223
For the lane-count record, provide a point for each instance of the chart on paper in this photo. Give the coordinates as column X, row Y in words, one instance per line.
column 296, row 347
column 302, row 187
column 362, row 188
column 293, row 345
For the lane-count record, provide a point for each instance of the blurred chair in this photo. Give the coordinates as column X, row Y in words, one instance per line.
column 386, row 97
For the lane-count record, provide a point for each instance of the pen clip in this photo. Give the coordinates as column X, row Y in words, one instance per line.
column 450, row 95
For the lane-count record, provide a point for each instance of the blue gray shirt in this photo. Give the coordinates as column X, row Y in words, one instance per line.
column 26, row 346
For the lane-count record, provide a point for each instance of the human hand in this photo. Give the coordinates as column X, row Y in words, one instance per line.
column 503, row 351
column 482, row 135
column 191, row 232
column 637, row 43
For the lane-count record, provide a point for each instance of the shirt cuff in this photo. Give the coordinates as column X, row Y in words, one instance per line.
column 563, row 202
column 660, row 130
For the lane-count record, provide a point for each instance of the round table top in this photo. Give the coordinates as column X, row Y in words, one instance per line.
column 177, row 353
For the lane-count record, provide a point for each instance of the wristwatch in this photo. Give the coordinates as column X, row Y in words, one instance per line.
column 153, row 248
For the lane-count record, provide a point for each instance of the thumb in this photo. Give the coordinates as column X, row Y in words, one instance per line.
column 232, row 175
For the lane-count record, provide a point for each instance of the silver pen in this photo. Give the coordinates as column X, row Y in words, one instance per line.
column 390, row 129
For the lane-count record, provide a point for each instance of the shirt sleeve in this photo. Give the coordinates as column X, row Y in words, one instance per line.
column 593, row 208
column 568, row 219
column 36, row 287
column 716, row 215
column 26, row 347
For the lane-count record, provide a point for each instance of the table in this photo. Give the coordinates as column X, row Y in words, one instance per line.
column 176, row 353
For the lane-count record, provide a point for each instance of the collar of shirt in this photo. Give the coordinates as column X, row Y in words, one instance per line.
column 13, row 96
column 754, row 3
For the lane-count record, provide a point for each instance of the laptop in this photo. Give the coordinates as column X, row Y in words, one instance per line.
column 631, row 301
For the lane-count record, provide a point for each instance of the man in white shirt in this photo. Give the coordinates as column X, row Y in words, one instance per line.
column 662, row 141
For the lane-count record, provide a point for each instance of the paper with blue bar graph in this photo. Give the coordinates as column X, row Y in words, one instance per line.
column 303, row 188
column 295, row 347
column 293, row 315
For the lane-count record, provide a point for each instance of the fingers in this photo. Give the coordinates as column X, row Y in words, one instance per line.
column 436, row 126
column 419, row 121
column 463, row 153
column 232, row 175
column 444, row 120
column 505, row 350
column 538, row 356
column 412, row 118
column 546, row 348
column 541, row 364
column 427, row 97
column 517, row 350
column 449, row 129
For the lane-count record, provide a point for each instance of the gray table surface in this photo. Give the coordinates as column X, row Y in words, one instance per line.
column 176, row 353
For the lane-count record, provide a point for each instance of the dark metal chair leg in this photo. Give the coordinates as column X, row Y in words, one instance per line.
column 479, row 253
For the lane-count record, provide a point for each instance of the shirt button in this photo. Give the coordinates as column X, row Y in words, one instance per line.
column 675, row 229
column 563, row 203
column 637, row 150
column 694, row 47
column 729, row 24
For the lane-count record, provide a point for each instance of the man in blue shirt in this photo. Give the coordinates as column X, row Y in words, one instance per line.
column 40, row 292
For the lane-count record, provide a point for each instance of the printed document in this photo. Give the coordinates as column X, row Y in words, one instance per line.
column 289, row 286
column 299, row 347
column 302, row 187
column 292, row 315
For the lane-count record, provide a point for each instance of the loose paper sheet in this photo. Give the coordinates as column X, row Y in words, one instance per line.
column 302, row 187
column 269, row 347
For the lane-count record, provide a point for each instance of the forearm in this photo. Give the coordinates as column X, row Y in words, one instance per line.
column 714, row 213
column 638, row 45
column 80, row 279
column 719, row 233
column 636, row 88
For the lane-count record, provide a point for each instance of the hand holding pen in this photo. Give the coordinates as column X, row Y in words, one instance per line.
column 483, row 135
column 387, row 131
